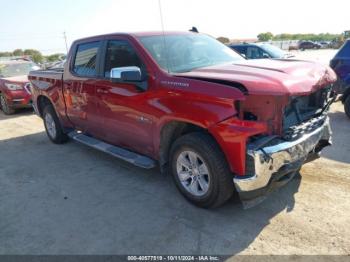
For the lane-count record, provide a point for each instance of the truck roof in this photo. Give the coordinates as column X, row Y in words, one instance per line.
column 137, row 34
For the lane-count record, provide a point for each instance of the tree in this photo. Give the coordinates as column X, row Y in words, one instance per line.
column 223, row 39
column 18, row 52
column 5, row 54
column 54, row 57
column 308, row 37
column 36, row 56
column 263, row 37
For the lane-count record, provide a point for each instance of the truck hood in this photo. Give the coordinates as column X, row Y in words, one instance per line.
column 269, row 76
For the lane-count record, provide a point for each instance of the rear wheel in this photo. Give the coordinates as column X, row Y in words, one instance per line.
column 5, row 106
column 53, row 126
column 347, row 106
column 200, row 170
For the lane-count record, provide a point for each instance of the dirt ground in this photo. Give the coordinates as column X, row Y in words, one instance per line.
column 321, row 55
column 70, row 199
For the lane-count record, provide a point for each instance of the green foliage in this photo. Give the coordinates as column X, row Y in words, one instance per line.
column 18, row 52
column 265, row 36
column 307, row 37
column 223, row 39
column 5, row 54
column 36, row 56
column 54, row 57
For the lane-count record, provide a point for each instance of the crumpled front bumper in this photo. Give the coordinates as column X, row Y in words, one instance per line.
column 275, row 165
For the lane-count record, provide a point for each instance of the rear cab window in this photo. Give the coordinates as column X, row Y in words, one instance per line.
column 85, row 61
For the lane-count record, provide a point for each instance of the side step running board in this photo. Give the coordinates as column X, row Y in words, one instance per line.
column 128, row 156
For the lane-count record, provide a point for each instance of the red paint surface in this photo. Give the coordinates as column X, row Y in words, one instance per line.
column 17, row 94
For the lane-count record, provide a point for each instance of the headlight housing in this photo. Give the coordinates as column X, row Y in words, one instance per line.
column 28, row 88
column 13, row 87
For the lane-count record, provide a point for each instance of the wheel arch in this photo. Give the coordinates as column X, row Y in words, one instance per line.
column 42, row 101
column 171, row 131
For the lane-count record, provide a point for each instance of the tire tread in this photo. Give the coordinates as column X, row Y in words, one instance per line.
column 61, row 137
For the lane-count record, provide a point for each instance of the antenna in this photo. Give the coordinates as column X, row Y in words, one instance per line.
column 164, row 42
column 65, row 40
column 194, row 29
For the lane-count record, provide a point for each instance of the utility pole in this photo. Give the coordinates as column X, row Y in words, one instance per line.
column 65, row 40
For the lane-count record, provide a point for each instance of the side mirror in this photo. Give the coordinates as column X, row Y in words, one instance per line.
column 129, row 74
column 126, row 74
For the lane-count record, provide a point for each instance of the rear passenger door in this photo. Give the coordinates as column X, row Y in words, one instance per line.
column 80, row 87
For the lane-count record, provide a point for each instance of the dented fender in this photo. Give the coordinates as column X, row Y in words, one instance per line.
column 232, row 136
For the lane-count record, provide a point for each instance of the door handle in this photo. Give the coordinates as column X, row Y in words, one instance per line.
column 102, row 91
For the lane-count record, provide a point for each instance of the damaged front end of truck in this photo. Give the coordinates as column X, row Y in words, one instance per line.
column 272, row 160
column 284, row 122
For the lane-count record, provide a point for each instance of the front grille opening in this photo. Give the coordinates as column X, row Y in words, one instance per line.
column 249, row 166
column 304, row 111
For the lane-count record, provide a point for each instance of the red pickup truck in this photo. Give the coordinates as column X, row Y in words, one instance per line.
column 183, row 101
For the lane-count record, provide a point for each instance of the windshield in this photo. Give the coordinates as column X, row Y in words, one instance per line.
column 187, row 52
column 274, row 51
column 17, row 69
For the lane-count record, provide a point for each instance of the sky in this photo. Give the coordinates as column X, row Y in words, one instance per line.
column 39, row 24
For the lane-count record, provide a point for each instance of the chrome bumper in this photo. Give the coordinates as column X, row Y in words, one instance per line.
column 269, row 161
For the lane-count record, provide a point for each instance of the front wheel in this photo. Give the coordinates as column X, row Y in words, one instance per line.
column 347, row 106
column 53, row 126
column 5, row 106
column 200, row 170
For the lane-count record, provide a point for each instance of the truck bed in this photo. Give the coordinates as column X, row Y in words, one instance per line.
column 53, row 74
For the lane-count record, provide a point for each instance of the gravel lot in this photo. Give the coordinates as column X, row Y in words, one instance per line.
column 322, row 55
column 70, row 199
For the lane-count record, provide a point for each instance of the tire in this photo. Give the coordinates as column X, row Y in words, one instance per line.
column 53, row 126
column 204, row 190
column 5, row 106
column 347, row 106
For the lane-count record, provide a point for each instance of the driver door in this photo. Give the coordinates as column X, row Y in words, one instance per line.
column 123, row 105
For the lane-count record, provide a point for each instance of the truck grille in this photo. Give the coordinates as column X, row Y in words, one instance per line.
column 306, row 113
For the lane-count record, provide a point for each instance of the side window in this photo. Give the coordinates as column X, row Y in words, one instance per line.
column 85, row 59
column 263, row 53
column 119, row 54
column 242, row 50
column 254, row 52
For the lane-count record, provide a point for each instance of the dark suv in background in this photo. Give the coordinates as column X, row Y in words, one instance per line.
column 341, row 65
column 259, row 51
column 309, row 45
